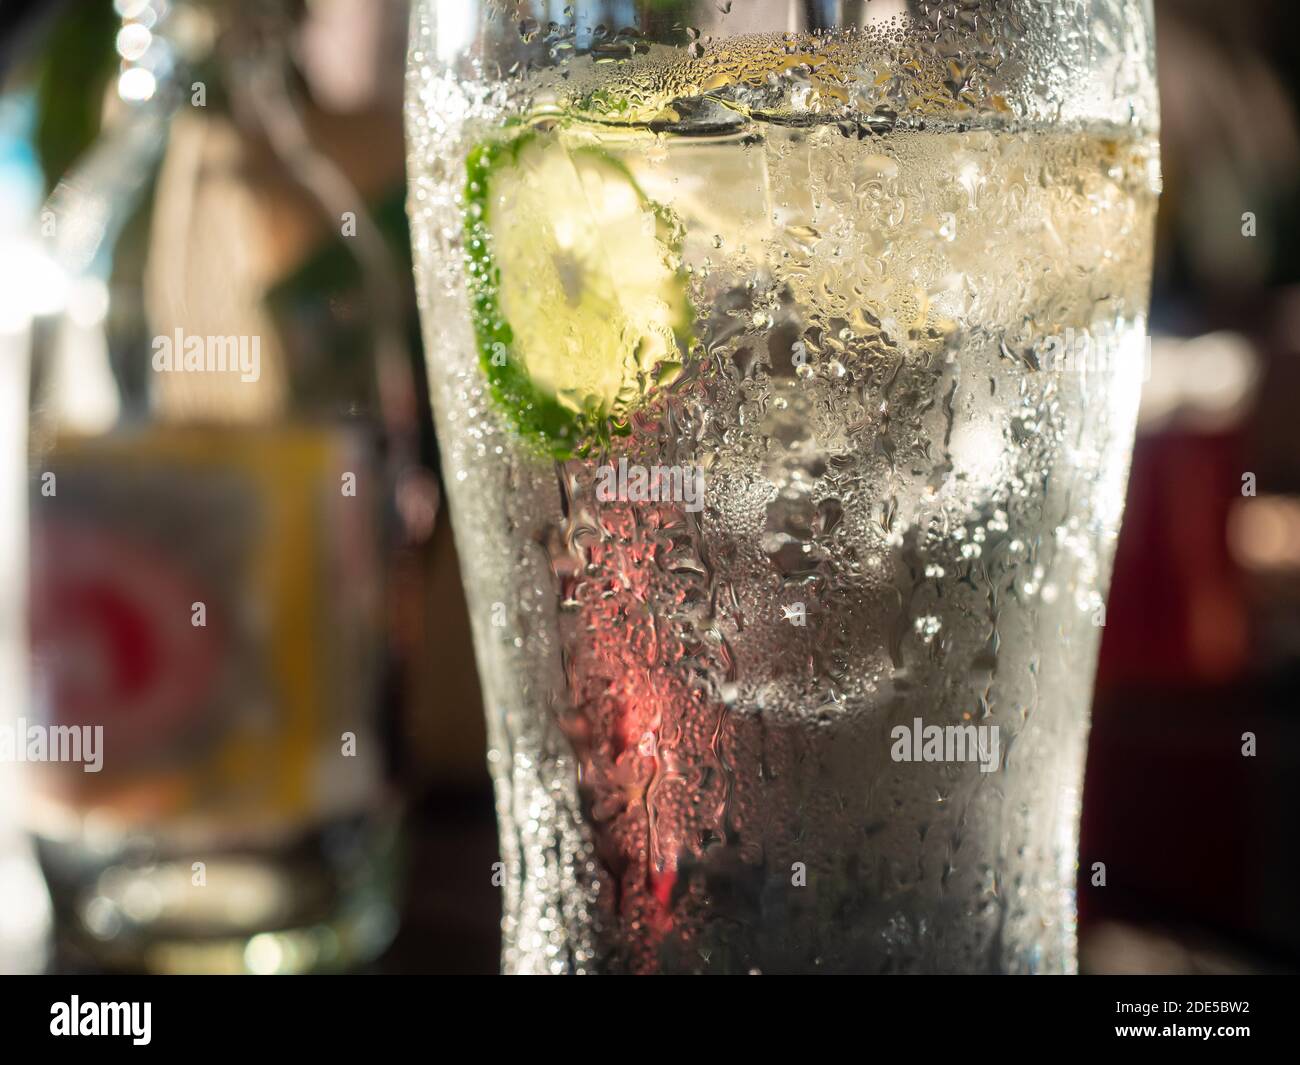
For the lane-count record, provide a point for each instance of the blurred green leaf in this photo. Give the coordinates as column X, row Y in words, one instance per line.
column 77, row 62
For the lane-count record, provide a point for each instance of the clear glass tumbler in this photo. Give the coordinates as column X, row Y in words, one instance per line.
column 785, row 358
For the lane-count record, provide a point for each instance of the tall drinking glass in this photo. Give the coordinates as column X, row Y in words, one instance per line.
column 785, row 358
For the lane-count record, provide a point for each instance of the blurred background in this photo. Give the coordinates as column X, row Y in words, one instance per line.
column 297, row 158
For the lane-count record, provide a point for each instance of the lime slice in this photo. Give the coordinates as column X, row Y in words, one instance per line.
column 579, row 296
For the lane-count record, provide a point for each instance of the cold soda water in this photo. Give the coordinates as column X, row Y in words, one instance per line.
column 910, row 389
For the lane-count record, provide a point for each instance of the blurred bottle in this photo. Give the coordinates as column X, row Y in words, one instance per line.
column 222, row 411
column 23, row 916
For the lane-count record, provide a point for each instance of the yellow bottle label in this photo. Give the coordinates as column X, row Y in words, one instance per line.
column 211, row 597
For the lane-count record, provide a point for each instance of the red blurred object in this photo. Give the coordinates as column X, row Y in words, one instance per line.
column 1171, row 807
column 1177, row 614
